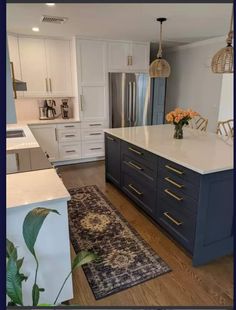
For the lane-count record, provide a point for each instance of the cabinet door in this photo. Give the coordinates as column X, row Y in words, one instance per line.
column 112, row 159
column 59, row 67
column 91, row 56
column 18, row 161
column 93, row 103
column 140, row 56
column 46, row 136
column 118, row 53
column 33, row 66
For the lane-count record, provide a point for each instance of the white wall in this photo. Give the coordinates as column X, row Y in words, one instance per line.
column 226, row 99
column 192, row 83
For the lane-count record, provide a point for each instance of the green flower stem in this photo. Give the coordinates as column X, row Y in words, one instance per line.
column 62, row 287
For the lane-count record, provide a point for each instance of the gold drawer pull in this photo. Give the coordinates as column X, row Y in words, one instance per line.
column 135, row 151
column 110, row 138
column 173, row 169
column 172, row 219
column 134, row 165
column 173, row 182
column 135, row 190
column 173, row 195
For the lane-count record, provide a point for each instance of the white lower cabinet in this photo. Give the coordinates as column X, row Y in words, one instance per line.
column 91, row 135
column 92, row 149
column 18, row 161
column 70, row 150
column 46, row 136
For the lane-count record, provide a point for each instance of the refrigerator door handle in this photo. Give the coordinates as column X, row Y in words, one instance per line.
column 130, row 102
column 134, row 104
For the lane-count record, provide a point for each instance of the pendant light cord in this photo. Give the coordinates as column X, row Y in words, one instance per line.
column 159, row 54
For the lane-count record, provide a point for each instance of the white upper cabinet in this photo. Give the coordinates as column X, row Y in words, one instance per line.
column 128, row 56
column 45, row 66
column 14, row 55
column 118, row 56
column 59, row 67
column 93, row 79
column 92, row 61
column 33, row 66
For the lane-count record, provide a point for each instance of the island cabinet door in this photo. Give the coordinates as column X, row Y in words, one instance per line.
column 112, row 157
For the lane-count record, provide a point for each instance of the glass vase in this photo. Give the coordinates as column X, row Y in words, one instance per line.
column 178, row 132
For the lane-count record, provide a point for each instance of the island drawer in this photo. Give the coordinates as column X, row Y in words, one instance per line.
column 180, row 185
column 180, row 226
column 137, row 169
column 179, row 201
column 144, row 157
column 177, row 170
column 140, row 192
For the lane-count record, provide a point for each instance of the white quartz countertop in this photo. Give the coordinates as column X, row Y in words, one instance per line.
column 202, row 152
column 49, row 121
column 34, row 187
column 19, row 143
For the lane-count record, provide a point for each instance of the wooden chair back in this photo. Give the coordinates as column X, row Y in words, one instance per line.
column 198, row 122
column 226, row 128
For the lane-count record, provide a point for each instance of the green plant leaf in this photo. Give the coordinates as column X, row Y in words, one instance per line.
column 35, row 294
column 19, row 263
column 23, row 277
column 82, row 258
column 32, row 225
column 10, row 249
column 13, row 285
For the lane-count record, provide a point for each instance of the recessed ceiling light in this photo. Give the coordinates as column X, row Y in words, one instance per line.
column 36, row 29
column 50, row 4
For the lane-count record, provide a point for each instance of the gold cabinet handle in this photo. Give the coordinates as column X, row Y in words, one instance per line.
column 110, row 138
column 13, row 80
column 135, row 151
column 173, row 169
column 172, row 219
column 135, row 190
column 135, row 166
column 46, row 81
column 173, row 182
column 81, row 103
column 128, row 60
column 168, row 192
column 131, row 60
column 56, row 134
column 17, row 161
column 50, row 84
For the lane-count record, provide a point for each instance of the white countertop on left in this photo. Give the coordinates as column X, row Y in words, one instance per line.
column 34, row 187
column 26, row 142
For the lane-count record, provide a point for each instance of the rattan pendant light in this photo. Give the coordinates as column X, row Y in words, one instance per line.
column 159, row 67
column 223, row 61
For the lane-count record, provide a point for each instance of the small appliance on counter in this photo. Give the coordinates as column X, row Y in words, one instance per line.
column 64, row 108
column 47, row 111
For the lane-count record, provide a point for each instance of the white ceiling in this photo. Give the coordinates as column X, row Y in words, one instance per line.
column 186, row 22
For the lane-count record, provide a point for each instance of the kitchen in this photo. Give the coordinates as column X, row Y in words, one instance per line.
column 87, row 128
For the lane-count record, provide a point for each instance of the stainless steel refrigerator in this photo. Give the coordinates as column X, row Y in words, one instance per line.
column 136, row 100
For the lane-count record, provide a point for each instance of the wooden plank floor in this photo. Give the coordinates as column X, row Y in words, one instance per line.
column 209, row 285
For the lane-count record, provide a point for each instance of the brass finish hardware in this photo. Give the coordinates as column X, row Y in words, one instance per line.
column 46, row 80
column 81, row 103
column 50, row 84
column 168, row 192
column 17, row 161
column 173, row 169
column 135, row 166
column 131, row 60
column 172, row 219
column 13, row 80
column 69, row 136
column 135, row 151
column 69, row 126
column 173, row 182
column 110, row 138
column 95, row 134
column 95, row 124
column 56, row 134
column 95, row 148
column 128, row 60
column 72, row 151
column 135, row 190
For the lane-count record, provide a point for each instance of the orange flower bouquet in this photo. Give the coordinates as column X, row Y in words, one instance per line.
column 179, row 118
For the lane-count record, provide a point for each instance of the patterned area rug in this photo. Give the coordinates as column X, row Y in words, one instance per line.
column 125, row 258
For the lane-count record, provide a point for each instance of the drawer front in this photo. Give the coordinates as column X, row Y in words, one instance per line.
column 92, row 149
column 179, row 171
column 180, row 202
column 138, row 170
column 94, row 125
column 140, row 192
column 68, row 126
column 92, row 135
column 177, row 184
column 65, row 135
column 143, row 157
column 181, row 227
column 69, row 151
